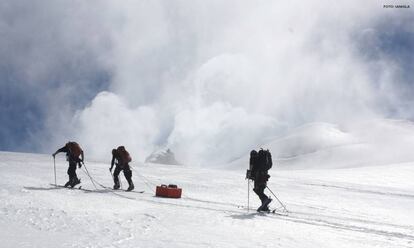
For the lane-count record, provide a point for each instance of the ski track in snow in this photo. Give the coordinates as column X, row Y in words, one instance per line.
column 362, row 190
column 322, row 213
column 309, row 218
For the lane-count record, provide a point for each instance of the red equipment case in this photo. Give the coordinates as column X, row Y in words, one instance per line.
column 170, row 191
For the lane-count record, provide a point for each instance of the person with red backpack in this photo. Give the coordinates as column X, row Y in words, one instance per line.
column 121, row 158
column 74, row 155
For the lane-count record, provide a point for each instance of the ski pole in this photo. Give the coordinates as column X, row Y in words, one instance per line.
column 277, row 198
column 248, row 195
column 54, row 168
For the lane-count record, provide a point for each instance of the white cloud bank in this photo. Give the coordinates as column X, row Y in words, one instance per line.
column 213, row 79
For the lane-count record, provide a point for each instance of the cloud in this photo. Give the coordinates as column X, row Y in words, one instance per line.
column 210, row 79
column 109, row 122
column 51, row 66
column 217, row 133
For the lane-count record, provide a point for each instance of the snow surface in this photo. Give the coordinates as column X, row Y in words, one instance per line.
column 344, row 186
column 350, row 207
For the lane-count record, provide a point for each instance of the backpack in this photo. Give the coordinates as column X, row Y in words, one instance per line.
column 265, row 160
column 251, row 172
column 123, row 155
column 74, row 149
column 253, row 160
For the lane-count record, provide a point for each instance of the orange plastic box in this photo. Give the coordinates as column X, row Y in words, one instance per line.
column 166, row 191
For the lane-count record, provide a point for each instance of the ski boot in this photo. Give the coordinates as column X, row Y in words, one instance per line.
column 116, row 186
column 264, row 206
column 131, row 187
column 75, row 182
column 67, row 184
column 265, row 209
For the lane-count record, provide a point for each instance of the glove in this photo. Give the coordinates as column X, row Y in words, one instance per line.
column 79, row 165
column 110, row 169
column 53, row 155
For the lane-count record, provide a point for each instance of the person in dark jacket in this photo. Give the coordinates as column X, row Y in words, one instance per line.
column 121, row 158
column 259, row 166
column 74, row 155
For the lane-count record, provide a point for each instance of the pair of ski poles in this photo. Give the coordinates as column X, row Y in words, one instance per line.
column 248, row 196
column 87, row 172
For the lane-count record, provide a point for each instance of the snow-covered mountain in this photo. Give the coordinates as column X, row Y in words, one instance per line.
column 339, row 197
column 162, row 156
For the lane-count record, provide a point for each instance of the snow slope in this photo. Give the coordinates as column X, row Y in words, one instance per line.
column 349, row 207
column 325, row 145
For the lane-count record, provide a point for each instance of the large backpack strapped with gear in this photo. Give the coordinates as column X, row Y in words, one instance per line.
column 123, row 155
column 264, row 160
column 74, row 149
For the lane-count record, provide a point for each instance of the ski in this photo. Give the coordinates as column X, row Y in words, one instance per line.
column 274, row 211
column 120, row 190
column 138, row 192
column 130, row 191
column 107, row 188
column 63, row 186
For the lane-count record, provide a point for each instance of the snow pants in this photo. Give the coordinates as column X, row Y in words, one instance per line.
column 127, row 173
column 260, row 184
column 72, row 171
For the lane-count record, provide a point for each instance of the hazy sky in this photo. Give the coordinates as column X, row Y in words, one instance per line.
column 210, row 79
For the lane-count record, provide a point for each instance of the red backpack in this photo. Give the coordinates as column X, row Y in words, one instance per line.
column 123, row 155
column 74, row 149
